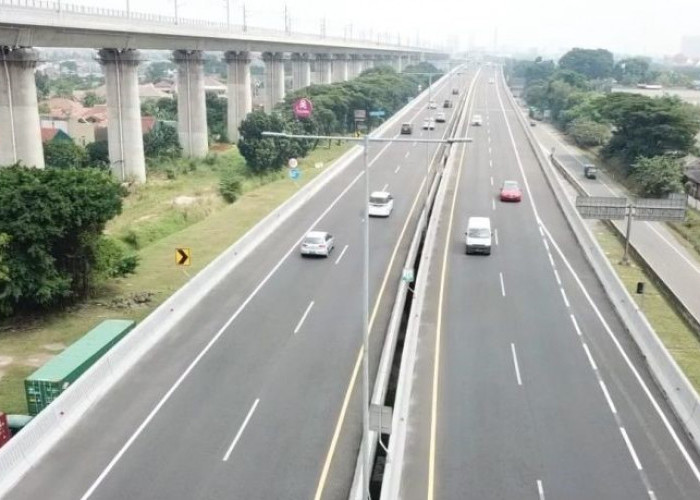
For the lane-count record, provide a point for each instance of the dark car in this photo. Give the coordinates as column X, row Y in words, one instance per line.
column 406, row 128
column 590, row 172
column 447, row 104
column 455, row 91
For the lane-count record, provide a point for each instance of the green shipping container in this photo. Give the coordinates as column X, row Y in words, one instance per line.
column 49, row 381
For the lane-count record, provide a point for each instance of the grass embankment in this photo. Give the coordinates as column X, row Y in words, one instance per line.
column 675, row 334
column 180, row 206
column 689, row 230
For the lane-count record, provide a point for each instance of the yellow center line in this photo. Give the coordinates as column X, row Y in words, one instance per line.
column 438, row 326
column 358, row 361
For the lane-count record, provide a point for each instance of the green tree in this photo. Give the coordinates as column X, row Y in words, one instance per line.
column 591, row 63
column 64, row 154
column 54, row 219
column 43, row 86
column 159, row 70
column 162, row 141
column 91, row 99
column 216, row 116
column 632, row 71
column 649, row 127
column 4, row 271
column 68, row 67
column 164, row 108
column 98, row 154
column 588, row 133
column 63, row 88
column 658, row 176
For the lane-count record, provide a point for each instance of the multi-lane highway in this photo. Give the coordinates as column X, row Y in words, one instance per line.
column 526, row 385
column 255, row 394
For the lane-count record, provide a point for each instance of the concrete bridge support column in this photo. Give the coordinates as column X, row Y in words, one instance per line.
column 355, row 66
column 125, row 136
column 191, row 105
column 301, row 71
column 340, row 68
column 20, row 130
column 240, row 98
column 324, row 69
column 367, row 63
column 274, row 79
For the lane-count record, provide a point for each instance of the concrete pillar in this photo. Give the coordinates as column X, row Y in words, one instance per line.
column 274, row 79
column 340, row 68
column 191, row 104
column 324, row 69
column 20, row 130
column 355, row 66
column 240, row 98
column 398, row 64
column 368, row 63
column 124, row 131
column 301, row 71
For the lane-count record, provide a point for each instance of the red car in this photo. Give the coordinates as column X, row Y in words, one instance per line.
column 510, row 191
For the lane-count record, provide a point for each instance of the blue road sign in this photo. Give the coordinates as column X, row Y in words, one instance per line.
column 377, row 113
column 294, row 173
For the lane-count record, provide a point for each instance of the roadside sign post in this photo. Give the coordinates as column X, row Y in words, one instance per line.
column 672, row 208
column 366, row 140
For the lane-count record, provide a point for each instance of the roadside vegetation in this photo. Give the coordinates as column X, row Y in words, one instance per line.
column 643, row 138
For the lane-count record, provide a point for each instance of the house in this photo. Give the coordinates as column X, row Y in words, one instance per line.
column 49, row 134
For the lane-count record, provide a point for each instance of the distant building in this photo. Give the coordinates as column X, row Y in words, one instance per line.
column 53, row 134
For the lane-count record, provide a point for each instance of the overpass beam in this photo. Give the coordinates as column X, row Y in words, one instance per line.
column 323, row 65
column 124, row 132
column 340, row 68
column 301, row 70
column 191, row 103
column 20, row 129
column 274, row 79
column 240, row 99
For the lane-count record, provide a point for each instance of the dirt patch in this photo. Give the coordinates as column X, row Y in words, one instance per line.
column 5, row 360
column 55, row 347
column 37, row 360
column 185, row 201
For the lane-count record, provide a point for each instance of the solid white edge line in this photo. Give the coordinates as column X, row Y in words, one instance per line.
column 674, row 436
column 590, row 358
column 566, row 299
column 608, row 398
column 515, row 363
column 341, row 254
column 240, row 431
column 637, row 463
column 578, row 330
column 503, row 286
column 303, row 318
column 540, row 489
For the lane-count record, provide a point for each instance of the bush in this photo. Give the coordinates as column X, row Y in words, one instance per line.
column 112, row 261
column 64, row 154
column 230, row 188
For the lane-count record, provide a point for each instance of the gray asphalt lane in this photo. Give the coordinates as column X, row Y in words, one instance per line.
column 495, row 438
column 300, row 380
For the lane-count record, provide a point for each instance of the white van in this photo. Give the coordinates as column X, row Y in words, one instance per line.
column 381, row 204
column 478, row 235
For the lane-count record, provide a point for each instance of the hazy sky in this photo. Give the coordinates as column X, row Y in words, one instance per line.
column 623, row 26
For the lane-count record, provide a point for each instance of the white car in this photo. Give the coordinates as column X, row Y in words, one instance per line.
column 440, row 117
column 317, row 243
column 381, row 204
column 491, row 80
column 477, row 120
column 431, row 124
column 432, row 105
column 426, row 124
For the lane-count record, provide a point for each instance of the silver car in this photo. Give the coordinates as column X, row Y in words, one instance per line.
column 317, row 243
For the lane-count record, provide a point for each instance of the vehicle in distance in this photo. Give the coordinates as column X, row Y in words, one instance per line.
column 491, row 80
column 426, row 124
column 440, row 117
column 406, row 128
column 431, row 124
column 510, row 191
column 589, row 171
column 455, row 91
column 478, row 235
column 317, row 243
column 447, row 104
column 432, row 105
column 381, row 203
column 477, row 120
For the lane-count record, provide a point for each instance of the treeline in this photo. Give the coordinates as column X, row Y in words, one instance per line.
column 334, row 105
column 645, row 136
column 52, row 247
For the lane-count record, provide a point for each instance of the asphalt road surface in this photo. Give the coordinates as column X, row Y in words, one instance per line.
column 526, row 384
column 252, row 395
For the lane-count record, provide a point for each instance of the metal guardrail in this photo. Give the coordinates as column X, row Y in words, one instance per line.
column 25, row 449
column 676, row 387
column 227, row 28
